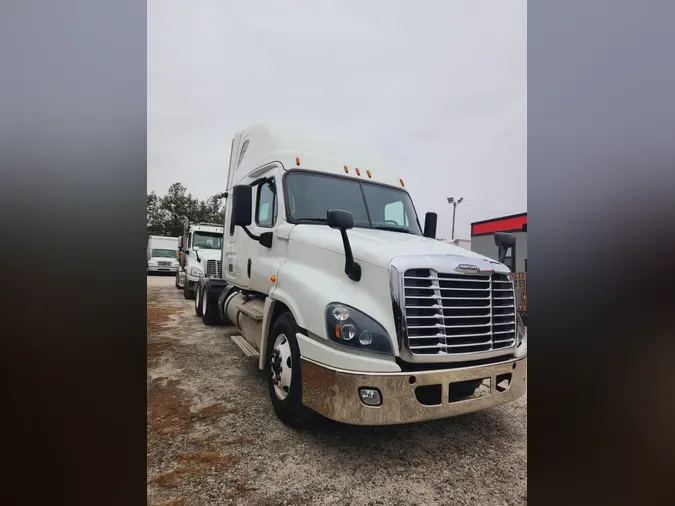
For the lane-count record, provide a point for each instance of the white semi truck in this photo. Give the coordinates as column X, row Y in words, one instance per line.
column 351, row 307
column 200, row 255
column 162, row 255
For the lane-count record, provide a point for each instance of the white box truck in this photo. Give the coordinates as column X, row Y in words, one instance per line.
column 200, row 255
column 353, row 309
column 162, row 255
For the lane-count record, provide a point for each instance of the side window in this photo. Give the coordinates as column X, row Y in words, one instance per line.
column 395, row 212
column 266, row 205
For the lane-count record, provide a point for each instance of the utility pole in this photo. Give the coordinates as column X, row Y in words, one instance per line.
column 455, row 203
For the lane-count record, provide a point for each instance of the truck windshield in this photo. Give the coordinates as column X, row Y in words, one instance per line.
column 310, row 195
column 207, row 240
column 164, row 253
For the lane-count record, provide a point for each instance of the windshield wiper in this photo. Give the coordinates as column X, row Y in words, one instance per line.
column 392, row 229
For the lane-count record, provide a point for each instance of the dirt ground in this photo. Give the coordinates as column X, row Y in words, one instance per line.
column 213, row 437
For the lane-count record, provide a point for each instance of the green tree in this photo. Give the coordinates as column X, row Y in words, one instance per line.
column 156, row 216
column 165, row 214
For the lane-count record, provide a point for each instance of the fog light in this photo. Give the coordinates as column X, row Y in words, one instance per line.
column 366, row 338
column 370, row 396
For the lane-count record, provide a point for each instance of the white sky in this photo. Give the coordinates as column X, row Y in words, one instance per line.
column 438, row 87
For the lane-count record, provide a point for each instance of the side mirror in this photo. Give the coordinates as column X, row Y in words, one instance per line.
column 266, row 239
column 343, row 221
column 337, row 218
column 504, row 242
column 242, row 206
column 430, row 222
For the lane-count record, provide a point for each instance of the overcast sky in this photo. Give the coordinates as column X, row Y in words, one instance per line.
column 438, row 87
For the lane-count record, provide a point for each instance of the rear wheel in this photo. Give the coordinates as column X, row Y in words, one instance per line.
column 209, row 307
column 284, row 377
column 198, row 300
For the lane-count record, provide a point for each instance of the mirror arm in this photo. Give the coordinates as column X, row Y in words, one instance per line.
column 248, row 233
column 352, row 269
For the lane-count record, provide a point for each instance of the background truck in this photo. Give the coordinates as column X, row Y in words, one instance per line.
column 162, row 256
column 353, row 309
column 200, row 255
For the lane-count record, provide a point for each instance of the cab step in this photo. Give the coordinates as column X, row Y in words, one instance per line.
column 244, row 346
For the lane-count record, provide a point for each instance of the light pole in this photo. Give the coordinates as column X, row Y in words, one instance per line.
column 455, row 203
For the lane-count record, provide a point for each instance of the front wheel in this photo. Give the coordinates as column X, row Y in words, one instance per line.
column 284, row 378
column 178, row 287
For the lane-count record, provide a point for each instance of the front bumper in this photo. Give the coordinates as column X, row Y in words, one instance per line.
column 334, row 392
column 161, row 268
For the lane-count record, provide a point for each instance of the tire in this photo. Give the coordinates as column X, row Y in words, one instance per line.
column 177, row 278
column 284, row 345
column 187, row 293
column 198, row 300
column 209, row 307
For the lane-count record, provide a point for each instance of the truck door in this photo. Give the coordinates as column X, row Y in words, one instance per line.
column 263, row 262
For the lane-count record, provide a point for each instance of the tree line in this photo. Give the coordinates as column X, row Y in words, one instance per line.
column 165, row 214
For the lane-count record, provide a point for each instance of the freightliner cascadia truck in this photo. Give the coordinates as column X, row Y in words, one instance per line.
column 351, row 306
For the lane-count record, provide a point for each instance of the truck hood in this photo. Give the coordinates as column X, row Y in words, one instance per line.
column 377, row 247
column 208, row 254
column 163, row 259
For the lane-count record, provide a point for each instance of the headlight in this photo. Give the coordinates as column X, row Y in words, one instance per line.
column 347, row 326
column 196, row 272
column 152, row 262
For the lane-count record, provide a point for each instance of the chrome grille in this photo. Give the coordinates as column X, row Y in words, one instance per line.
column 164, row 264
column 213, row 269
column 458, row 313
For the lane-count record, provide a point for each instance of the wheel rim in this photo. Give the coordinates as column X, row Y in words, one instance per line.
column 204, row 296
column 281, row 366
column 198, row 296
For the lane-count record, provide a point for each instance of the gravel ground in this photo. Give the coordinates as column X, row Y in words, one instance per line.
column 213, row 437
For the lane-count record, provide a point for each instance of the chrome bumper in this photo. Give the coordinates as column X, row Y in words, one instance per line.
column 334, row 392
column 157, row 268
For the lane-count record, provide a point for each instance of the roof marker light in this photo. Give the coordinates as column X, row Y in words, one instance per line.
column 402, row 183
column 346, row 170
column 297, row 161
column 358, row 172
column 369, row 174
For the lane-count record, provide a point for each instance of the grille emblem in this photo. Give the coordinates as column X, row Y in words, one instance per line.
column 466, row 268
